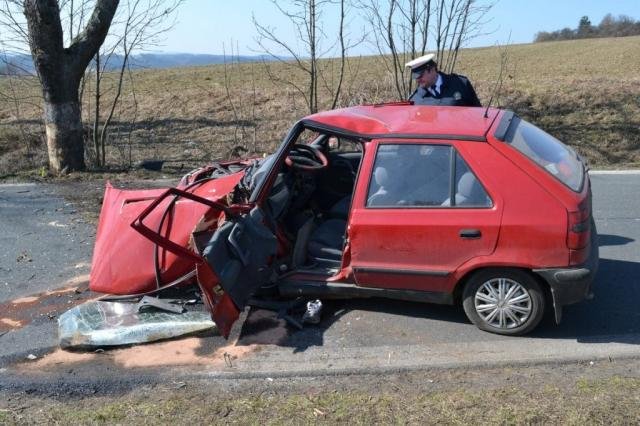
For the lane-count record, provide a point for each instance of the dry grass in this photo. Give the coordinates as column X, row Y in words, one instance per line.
column 586, row 92
column 603, row 401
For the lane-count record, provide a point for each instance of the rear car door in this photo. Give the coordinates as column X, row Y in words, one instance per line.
column 419, row 213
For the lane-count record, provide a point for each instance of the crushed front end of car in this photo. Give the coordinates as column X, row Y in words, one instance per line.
column 152, row 239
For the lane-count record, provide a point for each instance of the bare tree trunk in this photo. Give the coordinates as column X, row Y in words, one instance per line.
column 254, row 117
column 313, row 77
column 397, row 66
column 60, row 70
column 398, row 35
column 343, row 54
column 425, row 27
column 96, row 116
column 63, row 127
column 461, row 34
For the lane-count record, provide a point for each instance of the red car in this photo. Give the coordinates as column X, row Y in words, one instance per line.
column 435, row 204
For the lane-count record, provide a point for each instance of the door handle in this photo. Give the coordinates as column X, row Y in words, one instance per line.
column 470, row 234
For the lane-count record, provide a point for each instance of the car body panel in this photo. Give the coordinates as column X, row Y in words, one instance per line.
column 373, row 121
column 533, row 228
column 415, row 248
column 123, row 259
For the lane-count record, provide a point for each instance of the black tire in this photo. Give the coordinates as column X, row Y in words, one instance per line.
column 517, row 314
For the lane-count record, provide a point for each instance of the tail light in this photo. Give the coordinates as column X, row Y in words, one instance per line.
column 579, row 227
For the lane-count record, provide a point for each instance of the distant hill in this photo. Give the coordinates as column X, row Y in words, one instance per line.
column 173, row 60
column 20, row 64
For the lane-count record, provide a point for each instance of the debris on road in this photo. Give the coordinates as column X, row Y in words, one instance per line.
column 24, row 257
column 289, row 310
column 31, row 357
column 100, row 324
column 312, row 314
column 154, row 303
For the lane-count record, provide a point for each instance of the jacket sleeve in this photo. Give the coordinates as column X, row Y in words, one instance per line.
column 473, row 98
column 412, row 97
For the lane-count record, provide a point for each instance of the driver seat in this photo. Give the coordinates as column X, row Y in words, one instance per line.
column 327, row 241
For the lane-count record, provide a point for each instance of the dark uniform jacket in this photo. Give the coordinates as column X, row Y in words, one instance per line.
column 456, row 90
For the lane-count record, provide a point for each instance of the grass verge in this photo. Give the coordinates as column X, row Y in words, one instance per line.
column 613, row 400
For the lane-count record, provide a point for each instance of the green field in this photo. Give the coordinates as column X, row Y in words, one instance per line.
column 585, row 92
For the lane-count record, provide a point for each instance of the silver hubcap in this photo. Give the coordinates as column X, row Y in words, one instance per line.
column 503, row 303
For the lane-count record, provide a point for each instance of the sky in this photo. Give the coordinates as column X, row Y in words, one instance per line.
column 203, row 26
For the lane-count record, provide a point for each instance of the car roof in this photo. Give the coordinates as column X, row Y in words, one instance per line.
column 406, row 120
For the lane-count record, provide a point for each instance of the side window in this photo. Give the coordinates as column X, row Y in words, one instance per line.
column 410, row 176
column 548, row 152
column 468, row 189
column 419, row 175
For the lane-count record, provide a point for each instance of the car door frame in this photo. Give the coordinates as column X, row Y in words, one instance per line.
column 224, row 307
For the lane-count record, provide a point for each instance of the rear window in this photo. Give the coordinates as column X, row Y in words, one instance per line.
column 548, row 152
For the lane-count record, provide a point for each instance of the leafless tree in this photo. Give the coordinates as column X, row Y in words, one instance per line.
column 59, row 35
column 138, row 25
column 306, row 16
column 234, row 103
column 60, row 70
column 503, row 51
column 244, row 111
column 405, row 29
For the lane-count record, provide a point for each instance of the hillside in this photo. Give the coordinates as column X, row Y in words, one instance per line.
column 22, row 64
column 585, row 92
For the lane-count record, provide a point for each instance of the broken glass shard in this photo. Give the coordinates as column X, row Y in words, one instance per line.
column 99, row 323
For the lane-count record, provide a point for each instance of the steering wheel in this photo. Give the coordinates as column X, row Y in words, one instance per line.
column 306, row 158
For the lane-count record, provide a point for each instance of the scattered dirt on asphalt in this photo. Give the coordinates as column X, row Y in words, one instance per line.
column 27, row 299
column 59, row 358
column 178, row 353
column 211, row 351
column 11, row 323
column 43, row 306
column 191, row 351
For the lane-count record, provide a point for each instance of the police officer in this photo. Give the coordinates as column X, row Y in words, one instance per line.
column 436, row 88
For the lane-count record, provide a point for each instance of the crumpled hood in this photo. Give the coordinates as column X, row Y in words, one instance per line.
column 124, row 260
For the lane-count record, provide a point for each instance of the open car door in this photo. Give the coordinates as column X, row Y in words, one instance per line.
column 237, row 262
column 231, row 252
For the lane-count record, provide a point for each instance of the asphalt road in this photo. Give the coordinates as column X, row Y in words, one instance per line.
column 44, row 240
column 357, row 335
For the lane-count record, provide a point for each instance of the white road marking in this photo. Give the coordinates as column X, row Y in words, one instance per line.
column 614, row 172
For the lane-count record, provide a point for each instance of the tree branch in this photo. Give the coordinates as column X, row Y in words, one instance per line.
column 85, row 45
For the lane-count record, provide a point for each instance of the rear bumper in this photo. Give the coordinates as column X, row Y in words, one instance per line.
column 571, row 285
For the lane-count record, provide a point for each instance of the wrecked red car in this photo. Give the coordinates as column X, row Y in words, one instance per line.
column 445, row 205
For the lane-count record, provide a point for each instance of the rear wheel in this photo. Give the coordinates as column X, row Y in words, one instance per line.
column 504, row 301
